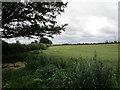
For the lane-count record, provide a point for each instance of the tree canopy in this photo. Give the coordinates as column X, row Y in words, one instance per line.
column 29, row 19
column 45, row 40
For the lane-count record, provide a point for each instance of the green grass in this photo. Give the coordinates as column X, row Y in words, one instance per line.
column 108, row 53
column 105, row 51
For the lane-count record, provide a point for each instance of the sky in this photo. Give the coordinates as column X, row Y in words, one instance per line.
column 88, row 21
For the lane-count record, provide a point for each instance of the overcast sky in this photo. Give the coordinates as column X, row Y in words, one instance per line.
column 88, row 21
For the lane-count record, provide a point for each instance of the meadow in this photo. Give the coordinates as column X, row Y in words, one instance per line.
column 108, row 53
column 105, row 51
column 69, row 66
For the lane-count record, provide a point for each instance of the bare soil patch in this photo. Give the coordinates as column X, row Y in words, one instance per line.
column 16, row 65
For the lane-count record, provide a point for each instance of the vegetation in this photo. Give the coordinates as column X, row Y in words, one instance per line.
column 43, row 71
column 19, row 48
column 86, row 65
column 104, row 51
column 46, row 41
column 29, row 19
column 106, row 42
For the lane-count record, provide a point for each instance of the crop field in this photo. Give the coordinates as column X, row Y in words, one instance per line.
column 106, row 52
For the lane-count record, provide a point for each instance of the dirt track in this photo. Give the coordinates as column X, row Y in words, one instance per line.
column 13, row 65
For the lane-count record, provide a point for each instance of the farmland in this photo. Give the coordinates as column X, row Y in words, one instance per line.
column 106, row 52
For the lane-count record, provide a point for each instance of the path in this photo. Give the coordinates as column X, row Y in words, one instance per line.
column 16, row 65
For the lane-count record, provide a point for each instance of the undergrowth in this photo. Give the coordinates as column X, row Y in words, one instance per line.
column 43, row 71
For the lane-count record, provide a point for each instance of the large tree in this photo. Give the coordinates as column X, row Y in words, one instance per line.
column 45, row 40
column 29, row 19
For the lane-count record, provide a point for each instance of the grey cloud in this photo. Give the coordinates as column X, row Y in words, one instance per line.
column 106, row 9
column 108, row 31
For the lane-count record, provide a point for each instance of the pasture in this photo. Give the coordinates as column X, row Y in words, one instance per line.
column 106, row 52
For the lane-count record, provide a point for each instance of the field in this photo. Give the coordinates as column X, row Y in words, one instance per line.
column 67, row 66
column 106, row 52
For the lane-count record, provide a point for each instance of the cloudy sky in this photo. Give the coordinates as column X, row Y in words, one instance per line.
column 88, row 21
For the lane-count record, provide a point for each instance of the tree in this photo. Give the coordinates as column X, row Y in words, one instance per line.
column 17, row 42
column 45, row 40
column 36, row 41
column 106, row 41
column 29, row 19
column 115, row 41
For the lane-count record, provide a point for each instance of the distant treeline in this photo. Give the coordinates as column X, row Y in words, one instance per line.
column 17, row 47
column 115, row 42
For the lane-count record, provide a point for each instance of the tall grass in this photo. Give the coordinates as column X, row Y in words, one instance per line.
column 55, row 72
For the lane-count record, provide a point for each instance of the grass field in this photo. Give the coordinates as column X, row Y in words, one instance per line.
column 106, row 52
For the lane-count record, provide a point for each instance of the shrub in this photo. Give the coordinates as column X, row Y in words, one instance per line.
column 56, row 72
column 13, row 48
column 43, row 46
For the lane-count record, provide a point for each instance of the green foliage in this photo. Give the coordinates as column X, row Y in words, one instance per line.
column 18, row 42
column 43, row 46
column 36, row 41
column 36, row 52
column 15, row 57
column 17, row 79
column 55, row 72
column 46, row 41
column 18, row 48
column 15, row 15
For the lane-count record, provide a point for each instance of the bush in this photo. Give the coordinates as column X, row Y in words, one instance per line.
column 15, row 57
column 84, row 74
column 73, row 73
column 43, row 46
column 56, row 72
column 13, row 48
